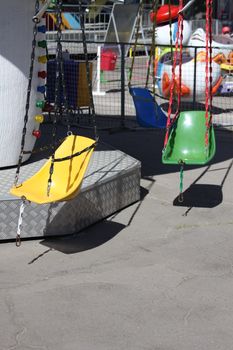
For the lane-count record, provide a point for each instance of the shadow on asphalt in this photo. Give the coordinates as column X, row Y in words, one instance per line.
column 201, row 195
column 147, row 146
column 92, row 238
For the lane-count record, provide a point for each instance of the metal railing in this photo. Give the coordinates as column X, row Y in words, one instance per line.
column 110, row 86
column 96, row 23
column 201, row 23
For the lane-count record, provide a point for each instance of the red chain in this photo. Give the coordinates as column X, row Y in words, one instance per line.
column 208, row 70
column 178, row 44
column 180, row 32
column 210, row 55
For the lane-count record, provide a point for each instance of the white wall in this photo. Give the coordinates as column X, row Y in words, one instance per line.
column 15, row 50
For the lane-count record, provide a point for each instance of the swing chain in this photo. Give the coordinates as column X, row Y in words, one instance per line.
column 181, row 196
column 57, row 100
column 29, row 88
column 87, row 149
column 170, row 31
column 137, row 26
column 88, row 72
column 155, row 5
column 208, row 70
column 177, row 56
column 50, row 178
column 51, row 170
column 20, row 222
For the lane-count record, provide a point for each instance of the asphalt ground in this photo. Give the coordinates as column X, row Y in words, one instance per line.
column 156, row 276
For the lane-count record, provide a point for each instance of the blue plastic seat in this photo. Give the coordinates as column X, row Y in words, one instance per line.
column 149, row 114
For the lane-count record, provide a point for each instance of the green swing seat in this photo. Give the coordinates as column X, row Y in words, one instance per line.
column 186, row 142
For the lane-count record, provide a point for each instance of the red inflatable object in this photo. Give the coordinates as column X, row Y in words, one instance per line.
column 164, row 14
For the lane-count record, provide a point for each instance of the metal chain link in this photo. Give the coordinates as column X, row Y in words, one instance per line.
column 135, row 41
column 180, row 36
column 87, row 149
column 181, row 196
column 155, row 9
column 66, row 109
column 208, row 71
column 152, row 51
column 176, row 56
column 20, row 222
column 60, row 78
column 88, row 73
column 170, row 31
column 57, row 98
column 27, row 106
column 211, row 54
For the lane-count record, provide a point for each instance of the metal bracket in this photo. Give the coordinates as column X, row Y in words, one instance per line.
column 40, row 13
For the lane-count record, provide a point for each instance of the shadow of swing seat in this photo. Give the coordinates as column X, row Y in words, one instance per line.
column 148, row 113
column 67, row 174
column 186, row 142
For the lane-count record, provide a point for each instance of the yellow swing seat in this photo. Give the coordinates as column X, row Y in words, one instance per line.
column 67, row 174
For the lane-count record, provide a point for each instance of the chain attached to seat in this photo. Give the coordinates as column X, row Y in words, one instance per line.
column 60, row 78
column 20, row 222
column 57, row 98
column 88, row 72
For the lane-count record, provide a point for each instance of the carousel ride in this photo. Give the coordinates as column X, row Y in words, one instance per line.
column 191, row 83
column 193, row 57
column 222, row 55
column 189, row 137
column 77, row 181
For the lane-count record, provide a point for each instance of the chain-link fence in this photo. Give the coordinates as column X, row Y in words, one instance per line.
column 110, row 70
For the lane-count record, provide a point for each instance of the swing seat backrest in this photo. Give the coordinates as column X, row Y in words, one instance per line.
column 67, row 175
column 186, row 142
column 148, row 113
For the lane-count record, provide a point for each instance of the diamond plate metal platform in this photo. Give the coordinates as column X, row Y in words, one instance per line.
column 112, row 182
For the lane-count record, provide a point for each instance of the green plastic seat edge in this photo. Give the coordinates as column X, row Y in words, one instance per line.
column 171, row 147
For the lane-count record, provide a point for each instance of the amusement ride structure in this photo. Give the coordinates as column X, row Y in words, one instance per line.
column 52, row 189
column 189, row 137
column 81, row 175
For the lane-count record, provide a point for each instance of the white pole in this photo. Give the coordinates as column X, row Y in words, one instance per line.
column 98, row 71
column 16, row 28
